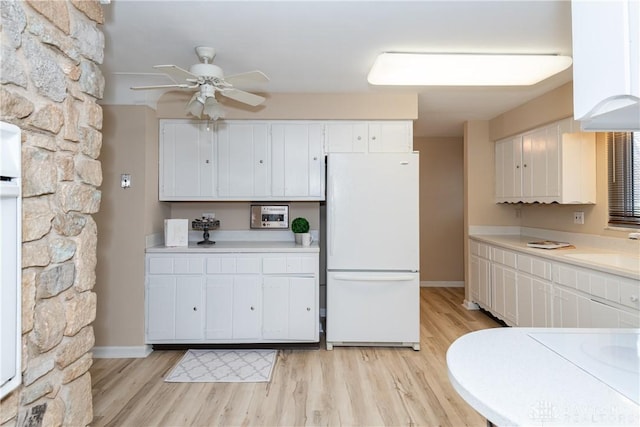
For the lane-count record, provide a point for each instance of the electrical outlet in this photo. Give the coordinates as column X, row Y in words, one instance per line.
column 209, row 215
column 578, row 217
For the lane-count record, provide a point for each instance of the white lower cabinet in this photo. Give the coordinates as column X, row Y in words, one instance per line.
column 232, row 298
column 289, row 309
column 532, row 291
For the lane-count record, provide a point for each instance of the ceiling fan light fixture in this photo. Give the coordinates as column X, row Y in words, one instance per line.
column 213, row 109
column 195, row 106
column 453, row 69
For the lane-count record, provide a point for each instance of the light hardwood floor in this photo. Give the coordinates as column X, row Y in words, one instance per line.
column 364, row 386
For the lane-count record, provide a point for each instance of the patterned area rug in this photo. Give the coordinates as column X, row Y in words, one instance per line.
column 224, row 366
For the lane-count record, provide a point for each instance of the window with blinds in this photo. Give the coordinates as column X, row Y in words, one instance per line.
column 624, row 178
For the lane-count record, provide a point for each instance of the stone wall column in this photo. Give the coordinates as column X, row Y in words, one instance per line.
column 49, row 84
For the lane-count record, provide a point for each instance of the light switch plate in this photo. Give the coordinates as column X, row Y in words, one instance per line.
column 125, row 180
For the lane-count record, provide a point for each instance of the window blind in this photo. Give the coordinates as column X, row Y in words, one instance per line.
column 624, row 178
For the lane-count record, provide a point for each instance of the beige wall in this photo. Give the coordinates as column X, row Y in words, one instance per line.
column 126, row 216
column 441, row 208
column 235, row 215
column 554, row 105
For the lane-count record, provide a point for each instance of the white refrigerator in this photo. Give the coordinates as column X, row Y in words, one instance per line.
column 373, row 256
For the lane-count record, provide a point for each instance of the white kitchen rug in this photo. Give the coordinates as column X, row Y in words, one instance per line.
column 224, row 366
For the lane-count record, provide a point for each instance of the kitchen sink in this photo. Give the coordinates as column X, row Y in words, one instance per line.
column 627, row 262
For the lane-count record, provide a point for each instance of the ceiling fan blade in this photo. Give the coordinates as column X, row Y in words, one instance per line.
column 242, row 96
column 179, row 86
column 176, row 73
column 248, row 77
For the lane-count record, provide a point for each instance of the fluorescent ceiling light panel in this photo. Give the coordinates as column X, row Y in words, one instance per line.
column 452, row 69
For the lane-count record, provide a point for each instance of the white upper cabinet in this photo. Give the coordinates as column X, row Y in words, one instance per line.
column 374, row 137
column 279, row 160
column 297, row 161
column 551, row 164
column 243, row 162
column 606, row 64
column 187, row 155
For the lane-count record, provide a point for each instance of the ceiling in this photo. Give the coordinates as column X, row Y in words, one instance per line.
column 329, row 46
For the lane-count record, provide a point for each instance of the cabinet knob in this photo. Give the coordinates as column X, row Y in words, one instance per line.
column 195, row 308
column 359, row 138
column 315, row 158
column 633, row 298
column 252, row 308
column 517, row 166
column 261, row 161
column 308, row 308
column 206, row 161
column 373, row 137
column 525, row 165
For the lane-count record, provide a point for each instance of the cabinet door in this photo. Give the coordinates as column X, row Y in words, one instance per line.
column 347, row 137
column 189, row 308
column 247, row 307
column 570, row 310
column 303, row 315
column 275, row 303
column 289, row 308
column 389, row 137
column 504, row 294
column 534, row 164
column 186, row 161
column 219, row 302
column 540, row 303
column 160, row 315
column 243, row 160
column 480, row 281
column 508, row 183
column 297, row 160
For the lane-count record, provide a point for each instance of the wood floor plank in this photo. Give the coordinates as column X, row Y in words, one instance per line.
column 362, row 386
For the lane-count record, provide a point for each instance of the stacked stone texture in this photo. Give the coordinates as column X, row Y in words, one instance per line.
column 49, row 84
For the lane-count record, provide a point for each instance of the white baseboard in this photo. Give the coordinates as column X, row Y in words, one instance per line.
column 118, row 352
column 436, row 284
column 470, row 305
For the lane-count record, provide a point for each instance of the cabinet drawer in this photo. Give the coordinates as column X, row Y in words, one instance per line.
column 504, row 257
column 534, row 266
column 233, row 265
column 186, row 265
column 480, row 249
column 289, row 264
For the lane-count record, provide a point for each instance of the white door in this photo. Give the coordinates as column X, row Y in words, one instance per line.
column 373, row 307
column 372, row 211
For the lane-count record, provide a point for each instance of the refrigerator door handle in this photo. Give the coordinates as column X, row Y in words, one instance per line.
column 332, row 215
column 361, row 278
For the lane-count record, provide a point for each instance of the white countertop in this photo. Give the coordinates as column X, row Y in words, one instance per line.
column 237, row 247
column 519, row 243
column 549, row 376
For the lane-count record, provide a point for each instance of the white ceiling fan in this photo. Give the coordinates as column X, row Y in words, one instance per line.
column 208, row 79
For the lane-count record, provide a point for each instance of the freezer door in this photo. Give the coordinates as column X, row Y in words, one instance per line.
column 372, row 211
column 372, row 307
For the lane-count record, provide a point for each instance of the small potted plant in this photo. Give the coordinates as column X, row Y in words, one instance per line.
column 299, row 226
